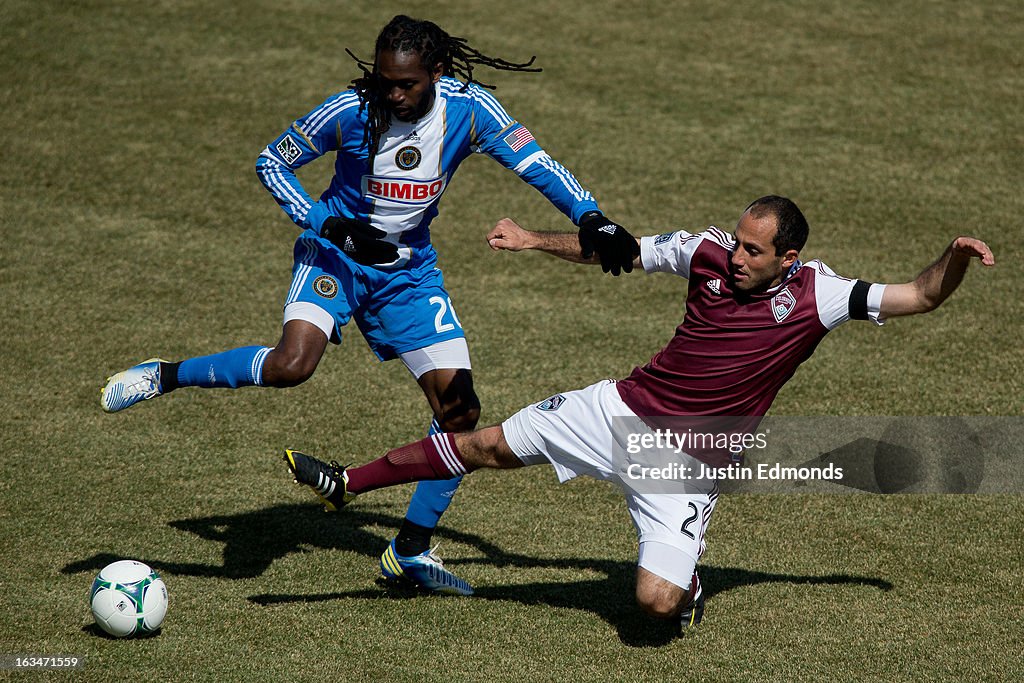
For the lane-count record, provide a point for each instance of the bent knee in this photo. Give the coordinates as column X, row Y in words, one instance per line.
column 460, row 415
column 659, row 597
column 659, row 605
column 287, row 370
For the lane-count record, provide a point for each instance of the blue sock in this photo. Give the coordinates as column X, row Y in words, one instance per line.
column 431, row 498
column 235, row 368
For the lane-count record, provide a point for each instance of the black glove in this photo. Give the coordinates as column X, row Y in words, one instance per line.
column 360, row 241
column 614, row 245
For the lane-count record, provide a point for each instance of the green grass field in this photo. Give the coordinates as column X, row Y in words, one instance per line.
column 133, row 225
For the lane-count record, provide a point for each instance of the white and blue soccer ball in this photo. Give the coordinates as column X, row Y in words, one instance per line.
column 128, row 598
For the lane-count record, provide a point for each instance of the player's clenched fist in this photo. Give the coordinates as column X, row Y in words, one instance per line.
column 508, row 235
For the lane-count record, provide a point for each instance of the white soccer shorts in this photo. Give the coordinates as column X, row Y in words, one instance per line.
column 580, row 433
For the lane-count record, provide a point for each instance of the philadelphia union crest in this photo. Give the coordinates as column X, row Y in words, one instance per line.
column 783, row 304
column 326, row 286
column 408, row 158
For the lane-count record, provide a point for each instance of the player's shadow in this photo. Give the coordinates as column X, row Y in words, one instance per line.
column 609, row 597
column 254, row 540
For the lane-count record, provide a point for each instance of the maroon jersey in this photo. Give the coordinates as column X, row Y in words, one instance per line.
column 733, row 351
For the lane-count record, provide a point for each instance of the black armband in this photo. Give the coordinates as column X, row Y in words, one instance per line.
column 859, row 300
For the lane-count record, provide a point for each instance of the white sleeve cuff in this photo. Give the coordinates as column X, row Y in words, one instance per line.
column 648, row 258
column 875, row 303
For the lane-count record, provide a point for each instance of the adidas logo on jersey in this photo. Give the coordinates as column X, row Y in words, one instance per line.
column 715, row 286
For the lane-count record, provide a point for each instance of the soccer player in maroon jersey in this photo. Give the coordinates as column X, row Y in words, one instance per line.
column 754, row 312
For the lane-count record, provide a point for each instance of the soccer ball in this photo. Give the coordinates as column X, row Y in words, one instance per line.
column 128, row 598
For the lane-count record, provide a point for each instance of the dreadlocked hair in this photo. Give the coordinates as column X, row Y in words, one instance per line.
column 434, row 46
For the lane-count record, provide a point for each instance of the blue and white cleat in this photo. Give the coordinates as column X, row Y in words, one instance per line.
column 137, row 383
column 426, row 570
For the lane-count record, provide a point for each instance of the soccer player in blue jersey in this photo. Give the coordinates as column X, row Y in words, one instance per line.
column 398, row 135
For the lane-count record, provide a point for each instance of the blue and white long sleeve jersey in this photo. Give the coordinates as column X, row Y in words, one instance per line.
column 413, row 166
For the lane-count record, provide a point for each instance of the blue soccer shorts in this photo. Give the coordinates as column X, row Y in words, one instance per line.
column 398, row 310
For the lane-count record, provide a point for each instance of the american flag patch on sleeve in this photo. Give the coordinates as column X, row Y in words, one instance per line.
column 518, row 138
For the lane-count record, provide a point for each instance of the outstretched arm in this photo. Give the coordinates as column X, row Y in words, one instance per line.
column 937, row 281
column 510, row 236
